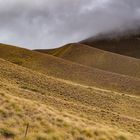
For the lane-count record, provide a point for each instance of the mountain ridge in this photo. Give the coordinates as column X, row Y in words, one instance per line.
column 125, row 45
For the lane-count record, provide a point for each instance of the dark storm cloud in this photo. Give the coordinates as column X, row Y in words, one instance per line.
column 52, row 23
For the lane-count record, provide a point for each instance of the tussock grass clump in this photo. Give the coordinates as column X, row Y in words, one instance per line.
column 121, row 137
column 18, row 61
column 41, row 136
column 7, row 133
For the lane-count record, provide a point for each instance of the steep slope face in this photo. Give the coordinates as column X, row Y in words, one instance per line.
column 67, row 70
column 63, row 109
column 129, row 46
column 97, row 58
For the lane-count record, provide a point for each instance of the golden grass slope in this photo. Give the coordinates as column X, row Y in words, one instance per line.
column 67, row 70
column 62, row 110
column 127, row 45
column 96, row 58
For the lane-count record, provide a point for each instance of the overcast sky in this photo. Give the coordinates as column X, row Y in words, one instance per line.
column 53, row 23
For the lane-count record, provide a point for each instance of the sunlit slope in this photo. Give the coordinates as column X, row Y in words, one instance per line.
column 96, row 58
column 67, row 70
column 62, row 109
column 129, row 46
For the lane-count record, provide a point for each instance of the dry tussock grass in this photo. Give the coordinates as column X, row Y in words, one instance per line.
column 59, row 109
column 67, row 70
column 45, row 122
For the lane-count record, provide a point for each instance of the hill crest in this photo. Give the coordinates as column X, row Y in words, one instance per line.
column 97, row 58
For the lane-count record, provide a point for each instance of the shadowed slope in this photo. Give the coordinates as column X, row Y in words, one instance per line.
column 97, row 58
column 129, row 46
column 49, row 103
column 67, row 70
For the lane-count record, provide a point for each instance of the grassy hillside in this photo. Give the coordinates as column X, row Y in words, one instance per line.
column 63, row 100
column 67, row 70
column 50, row 104
column 97, row 58
column 129, row 46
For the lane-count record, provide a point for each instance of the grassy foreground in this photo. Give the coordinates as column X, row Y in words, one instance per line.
column 47, row 123
column 56, row 112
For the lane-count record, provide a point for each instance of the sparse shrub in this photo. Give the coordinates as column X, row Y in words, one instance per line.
column 53, row 136
column 59, row 120
column 47, row 136
column 41, row 138
column 80, row 138
column 7, row 133
column 103, row 138
column 87, row 133
column 18, row 62
column 74, row 132
column 30, row 88
column 121, row 137
column 34, row 90
column 96, row 133
column 49, row 130
column 24, row 87
column 3, row 113
column 15, row 107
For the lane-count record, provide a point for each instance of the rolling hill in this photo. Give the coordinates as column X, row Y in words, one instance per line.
column 96, row 58
column 49, row 104
column 64, row 100
column 67, row 70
